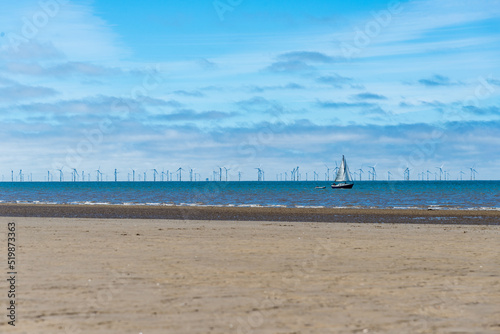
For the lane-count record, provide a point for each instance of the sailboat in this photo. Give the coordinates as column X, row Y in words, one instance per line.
column 343, row 178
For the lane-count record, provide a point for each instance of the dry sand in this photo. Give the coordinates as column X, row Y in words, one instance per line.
column 81, row 275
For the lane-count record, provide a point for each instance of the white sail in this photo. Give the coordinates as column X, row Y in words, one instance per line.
column 343, row 174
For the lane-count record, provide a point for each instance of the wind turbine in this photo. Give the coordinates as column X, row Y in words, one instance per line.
column 98, row 172
column 328, row 172
column 440, row 171
column 473, row 173
column 180, row 173
column 374, row 172
column 260, row 174
column 155, row 172
column 220, row 173
column 226, row 169
column 461, row 173
column 116, row 175
column 239, row 176
column 407, row 173
column 61, row 176
column 77, row 176
column 360, row 173
column 336, row 169
column 389, row 176
column 133, row 175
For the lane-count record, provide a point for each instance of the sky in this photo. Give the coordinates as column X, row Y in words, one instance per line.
column 247, row 84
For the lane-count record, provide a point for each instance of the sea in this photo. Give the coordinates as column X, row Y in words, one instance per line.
column 437, row 195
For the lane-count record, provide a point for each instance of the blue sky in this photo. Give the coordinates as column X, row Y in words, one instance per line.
column 250, row 83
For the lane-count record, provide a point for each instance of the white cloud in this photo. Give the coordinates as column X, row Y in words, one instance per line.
column 60, row 70
column 22, row 93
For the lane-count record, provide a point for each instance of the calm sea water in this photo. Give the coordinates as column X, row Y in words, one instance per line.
column 479, row 195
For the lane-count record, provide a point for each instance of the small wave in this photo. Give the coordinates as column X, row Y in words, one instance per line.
column 90, row 203
column 31, row 202
column 406, row 208
column 44, row 202
column 443, row 207
column 485, row 208
column 436, row 207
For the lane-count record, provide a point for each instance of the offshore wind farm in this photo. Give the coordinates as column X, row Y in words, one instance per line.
column 224, row 174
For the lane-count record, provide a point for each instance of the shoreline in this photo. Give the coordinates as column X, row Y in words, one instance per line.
column 348, row 215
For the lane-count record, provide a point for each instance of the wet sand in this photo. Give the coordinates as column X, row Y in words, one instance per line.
column 82, row 275
column 418, row 216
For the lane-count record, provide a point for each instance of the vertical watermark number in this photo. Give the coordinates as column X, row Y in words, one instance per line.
column 11, row 273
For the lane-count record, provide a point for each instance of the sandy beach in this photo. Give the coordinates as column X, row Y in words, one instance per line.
column 96, row 275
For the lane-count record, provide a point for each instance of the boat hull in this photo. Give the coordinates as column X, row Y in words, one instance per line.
column 343, row 186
